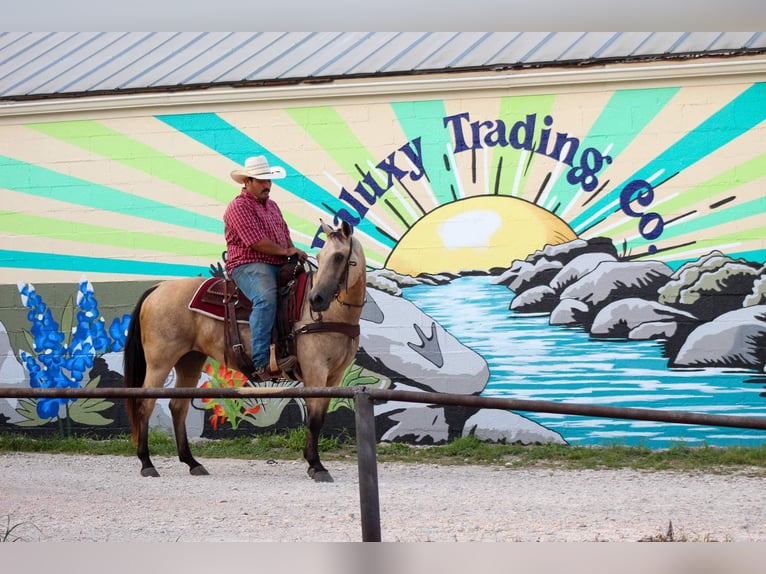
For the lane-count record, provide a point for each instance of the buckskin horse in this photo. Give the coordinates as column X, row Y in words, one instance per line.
column 164, row 333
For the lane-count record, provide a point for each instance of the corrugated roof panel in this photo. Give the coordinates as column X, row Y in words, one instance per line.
column 522, row 48
column 410, row 53
column 174, row 48
column 478, row 48
column 110, row 70
column 375, row 61
column 688, row 43
column 269, row 47
column 621, row 44
column 43, row 63
column 291, row 62
column 315, row 53
column 731, row 41
column 111, row 48
column 354, row 54
column 21, row 64
column 660, row 42
column 73, row 54
column 588, row 46
column 15, row 45
column 441, row 50
column 219, row 45
column 248, row 46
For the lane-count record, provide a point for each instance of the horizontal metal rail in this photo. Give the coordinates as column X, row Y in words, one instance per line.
column 364, row 399
column 380, row 395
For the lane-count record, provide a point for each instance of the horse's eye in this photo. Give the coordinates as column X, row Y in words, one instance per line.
column 338, row 257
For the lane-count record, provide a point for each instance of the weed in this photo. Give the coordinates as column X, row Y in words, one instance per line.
column 10, row 530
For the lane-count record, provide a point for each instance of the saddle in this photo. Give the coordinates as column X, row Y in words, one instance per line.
column 220, row 298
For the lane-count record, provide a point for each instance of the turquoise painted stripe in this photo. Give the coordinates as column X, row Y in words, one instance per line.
column 53, row 261
column 426, row 121
column 737, row 117
column 212, row 131
column 624, row 116
column 35, row 180
column 708, row 221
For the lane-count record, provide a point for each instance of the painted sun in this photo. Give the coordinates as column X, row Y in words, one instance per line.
column 477, row 233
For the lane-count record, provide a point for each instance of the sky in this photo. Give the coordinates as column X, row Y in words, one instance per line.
column 399, row 15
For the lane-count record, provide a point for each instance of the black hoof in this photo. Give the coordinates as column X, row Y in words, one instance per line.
column 149, row 471
column 320, row 475
column 199, row 471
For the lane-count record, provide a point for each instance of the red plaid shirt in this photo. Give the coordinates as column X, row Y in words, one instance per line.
column 247, row 221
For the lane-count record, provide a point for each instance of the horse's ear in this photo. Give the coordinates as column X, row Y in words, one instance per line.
column 326, row 228
column 346, row 229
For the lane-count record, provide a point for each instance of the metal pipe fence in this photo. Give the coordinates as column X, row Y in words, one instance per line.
column 364, row 400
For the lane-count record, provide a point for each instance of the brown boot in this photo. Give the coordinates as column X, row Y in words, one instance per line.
column 261, row 375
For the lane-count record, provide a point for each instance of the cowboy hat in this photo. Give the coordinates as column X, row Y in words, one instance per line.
column 257, row 167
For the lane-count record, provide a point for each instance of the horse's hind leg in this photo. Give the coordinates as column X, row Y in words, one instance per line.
column 145, row 408
column 188, row 371
column 317, row 408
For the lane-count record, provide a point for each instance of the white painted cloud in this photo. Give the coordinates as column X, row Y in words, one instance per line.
column 469, row 229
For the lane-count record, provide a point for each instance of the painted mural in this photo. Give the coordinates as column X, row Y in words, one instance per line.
column 601, row 246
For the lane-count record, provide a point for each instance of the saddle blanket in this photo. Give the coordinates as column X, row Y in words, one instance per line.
column 209, row 300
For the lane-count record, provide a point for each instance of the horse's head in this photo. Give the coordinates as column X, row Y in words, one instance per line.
column 342, row 270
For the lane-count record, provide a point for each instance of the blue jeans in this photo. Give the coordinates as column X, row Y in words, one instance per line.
column 258, row 281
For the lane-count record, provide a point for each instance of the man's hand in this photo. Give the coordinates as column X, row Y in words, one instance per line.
column 294, row 251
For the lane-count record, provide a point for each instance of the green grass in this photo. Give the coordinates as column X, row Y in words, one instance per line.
column 288, row 445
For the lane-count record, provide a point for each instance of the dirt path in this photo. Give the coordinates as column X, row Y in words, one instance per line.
column 73, row 498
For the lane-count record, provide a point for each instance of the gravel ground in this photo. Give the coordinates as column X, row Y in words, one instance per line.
column 74, row 498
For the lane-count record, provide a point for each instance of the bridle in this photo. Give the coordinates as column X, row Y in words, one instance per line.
column 343, row 279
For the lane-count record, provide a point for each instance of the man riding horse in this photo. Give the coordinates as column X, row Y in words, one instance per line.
column 258, row 243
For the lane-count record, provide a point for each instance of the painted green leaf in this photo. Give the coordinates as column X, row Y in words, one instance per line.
column 30, row 342
column 85, row 411
column 28, row 410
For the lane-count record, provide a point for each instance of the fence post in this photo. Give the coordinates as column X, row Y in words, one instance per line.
column 368, row 465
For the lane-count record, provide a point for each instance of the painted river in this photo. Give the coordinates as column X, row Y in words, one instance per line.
column 530, row 359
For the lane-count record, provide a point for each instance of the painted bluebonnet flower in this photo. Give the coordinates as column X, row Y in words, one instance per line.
column 45, row 366
column 60, row 363
column 118, row 331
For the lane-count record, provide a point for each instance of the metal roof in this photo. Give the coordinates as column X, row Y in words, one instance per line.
column 42, row 64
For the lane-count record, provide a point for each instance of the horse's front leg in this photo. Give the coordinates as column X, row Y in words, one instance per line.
column 179, row 409
column 317, row 408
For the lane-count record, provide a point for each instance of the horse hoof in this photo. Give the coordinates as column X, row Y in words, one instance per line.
column 149, row 471
column 320, row 475
column 199, row 471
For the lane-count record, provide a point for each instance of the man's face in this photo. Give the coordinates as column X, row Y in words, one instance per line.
column 258, row 188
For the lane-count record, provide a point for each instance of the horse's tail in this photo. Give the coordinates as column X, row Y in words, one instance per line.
column 134, row 363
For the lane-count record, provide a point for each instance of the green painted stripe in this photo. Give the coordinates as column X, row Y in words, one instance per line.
column 24, row 224
column 106, row 142
column 326, row 127
column 624, row 117
column 212, row 131
column 34, row 180
column 708, row 222
column 737, row 117
column 426, row 121
column 720, row 184
column 514, row 109
column 55, row 262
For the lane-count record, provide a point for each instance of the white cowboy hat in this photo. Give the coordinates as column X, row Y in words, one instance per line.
column 257, row 167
